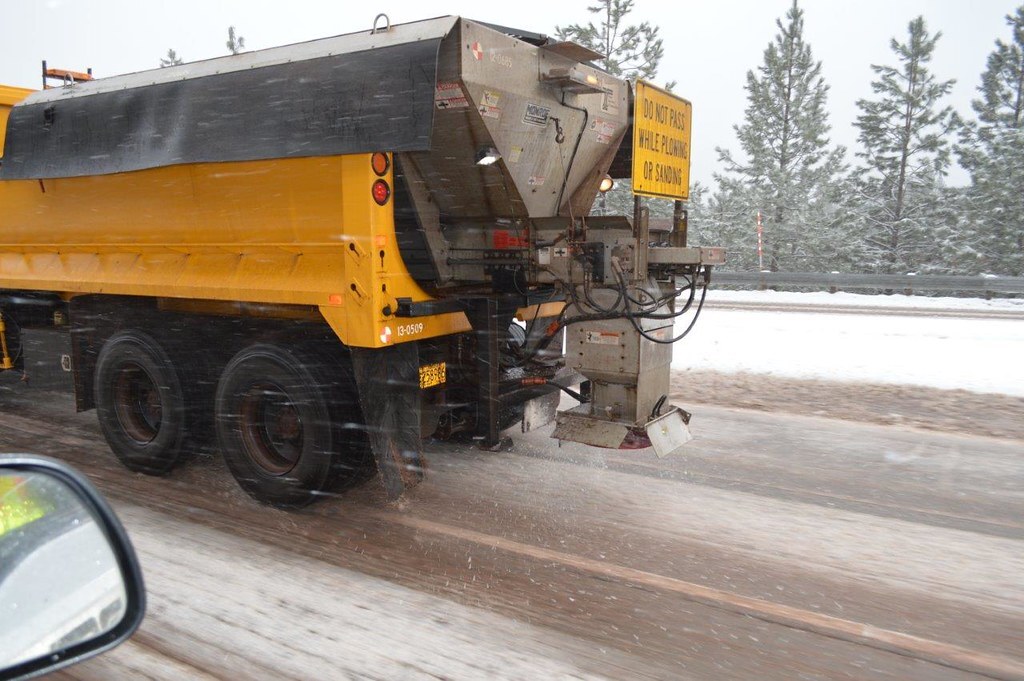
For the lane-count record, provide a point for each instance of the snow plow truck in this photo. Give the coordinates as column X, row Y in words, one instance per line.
column 314, row 257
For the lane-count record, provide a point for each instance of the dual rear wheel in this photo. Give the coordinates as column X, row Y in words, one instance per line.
column 289, row 423
column 286, row 417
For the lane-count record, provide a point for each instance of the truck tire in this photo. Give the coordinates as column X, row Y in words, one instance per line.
column 287, row 424
column 141, row 403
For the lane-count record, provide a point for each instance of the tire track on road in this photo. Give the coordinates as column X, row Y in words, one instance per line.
column 961, row 521
column 970, row 523
column 907, row 645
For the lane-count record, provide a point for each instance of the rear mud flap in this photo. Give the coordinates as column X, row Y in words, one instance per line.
column 669, row 432
column 389, row 394
column 577, row 425
column 666, row 434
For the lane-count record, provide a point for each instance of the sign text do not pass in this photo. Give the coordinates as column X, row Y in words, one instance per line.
column 661, row 143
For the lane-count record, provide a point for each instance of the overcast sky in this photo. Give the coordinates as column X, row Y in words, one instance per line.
column 709, row 46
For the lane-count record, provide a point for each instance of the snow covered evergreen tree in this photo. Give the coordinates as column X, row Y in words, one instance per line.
column 172, row 59
column 992, row 149
column 790, row 171
column 904, row 137
column 631, row 50
column 235, row 43
column 728, row 220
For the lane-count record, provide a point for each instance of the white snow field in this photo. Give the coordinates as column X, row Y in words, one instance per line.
column 976, row 354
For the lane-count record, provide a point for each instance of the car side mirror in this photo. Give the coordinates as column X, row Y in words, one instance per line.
column 70, row 583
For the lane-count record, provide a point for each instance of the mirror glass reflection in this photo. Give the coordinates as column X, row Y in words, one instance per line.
column 60, row 583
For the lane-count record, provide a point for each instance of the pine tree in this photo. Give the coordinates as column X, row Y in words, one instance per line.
column 728, row 220
column 631, row 50
column 172, row 59
column 904, row 139
column 791, row 171
column 992, row 149
column 235, row 44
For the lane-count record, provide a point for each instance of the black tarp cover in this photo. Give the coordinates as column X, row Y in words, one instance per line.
column 372, row 100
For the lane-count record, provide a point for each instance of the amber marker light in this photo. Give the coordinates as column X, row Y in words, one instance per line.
column 380, row 163
column 381, row 192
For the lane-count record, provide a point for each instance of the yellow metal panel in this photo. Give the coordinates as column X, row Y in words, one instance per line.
column 290, row 231
column 233, row 205
column 661, row 143
column 9, row 96
column 396, row 329
column 260, row 276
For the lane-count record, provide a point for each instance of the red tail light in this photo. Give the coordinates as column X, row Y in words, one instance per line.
column 381, row 192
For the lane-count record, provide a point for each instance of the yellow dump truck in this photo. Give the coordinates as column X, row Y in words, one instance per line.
column 315, row 256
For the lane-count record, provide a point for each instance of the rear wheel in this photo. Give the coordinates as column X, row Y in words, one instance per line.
column 141, row 403
column 281, row 417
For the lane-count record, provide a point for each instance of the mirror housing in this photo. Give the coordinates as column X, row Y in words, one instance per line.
column 64, row 553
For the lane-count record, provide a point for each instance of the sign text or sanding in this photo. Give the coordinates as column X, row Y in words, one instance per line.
column 661, row 143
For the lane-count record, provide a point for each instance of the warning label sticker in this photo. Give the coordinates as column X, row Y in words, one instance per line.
column 490, row 99
column 610, row 100
column 490, row 105
column 450, row 96
column 601, row 337
column 604, row 130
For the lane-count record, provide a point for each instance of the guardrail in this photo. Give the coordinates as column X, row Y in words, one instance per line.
column 907, row 283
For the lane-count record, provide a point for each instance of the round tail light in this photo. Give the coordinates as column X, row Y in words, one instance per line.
column 380, row 163
column 381, row 192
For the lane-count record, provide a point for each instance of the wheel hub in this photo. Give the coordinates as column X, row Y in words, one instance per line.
column 137, row 403
column 271, row 428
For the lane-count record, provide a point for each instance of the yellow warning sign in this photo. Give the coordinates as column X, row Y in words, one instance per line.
column 661, row 143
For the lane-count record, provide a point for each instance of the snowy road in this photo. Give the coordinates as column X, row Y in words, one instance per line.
column 776, row 548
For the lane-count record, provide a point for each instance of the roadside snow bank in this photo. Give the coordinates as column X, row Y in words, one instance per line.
column 897, row 300
column 981, row 355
